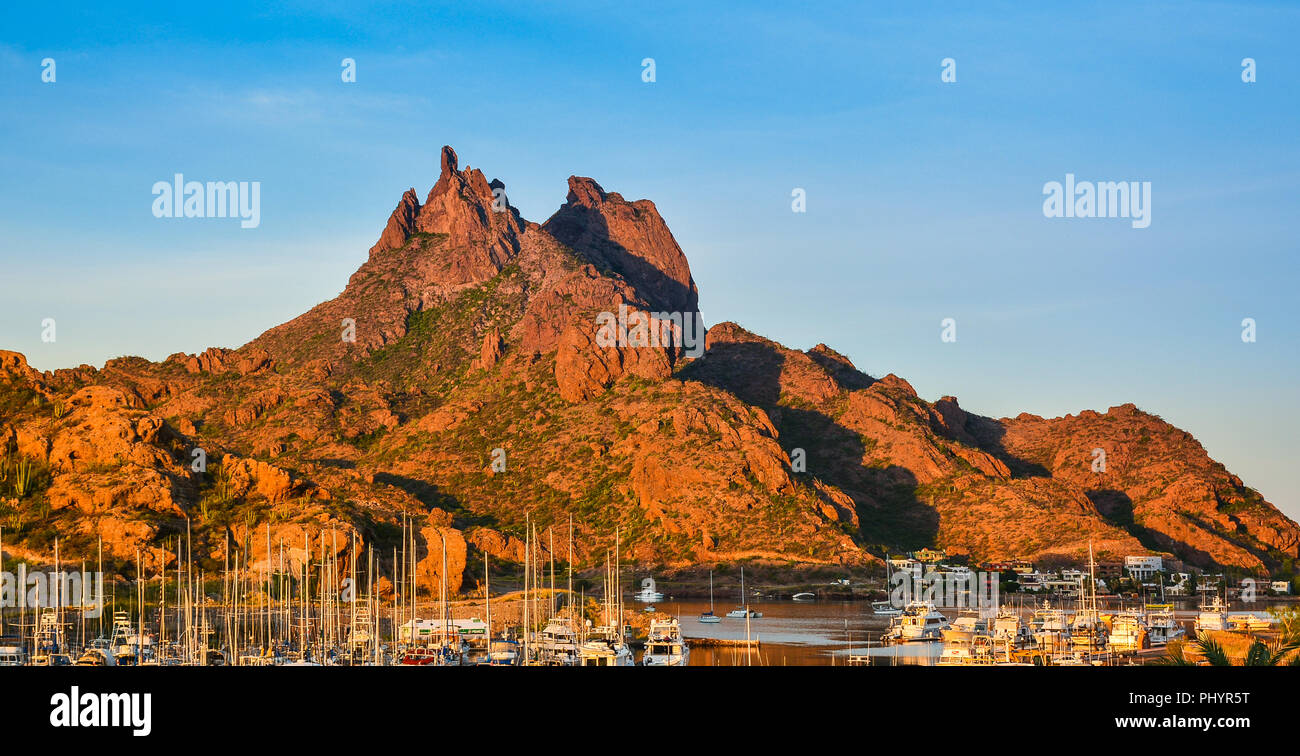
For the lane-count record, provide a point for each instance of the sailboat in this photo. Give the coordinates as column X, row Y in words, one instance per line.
column 743, row 610
column 709, row 618
column 886, row 608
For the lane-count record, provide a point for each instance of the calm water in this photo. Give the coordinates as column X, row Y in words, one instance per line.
column 821, row 632
column 792, row 633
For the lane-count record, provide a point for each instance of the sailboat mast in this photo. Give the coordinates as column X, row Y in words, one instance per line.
column 528, row 547
column 570, row 559
column 550, row 535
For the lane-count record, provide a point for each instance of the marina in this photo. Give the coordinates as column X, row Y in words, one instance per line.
column 329, row 611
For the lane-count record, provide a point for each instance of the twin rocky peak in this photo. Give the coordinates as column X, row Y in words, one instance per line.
column 628, row 238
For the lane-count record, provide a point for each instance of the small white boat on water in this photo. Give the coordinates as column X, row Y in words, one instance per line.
column 648, row 594
column 743, row 611
column 805, row 596
column 885, row 609
column 709, row 618
column 502, row 653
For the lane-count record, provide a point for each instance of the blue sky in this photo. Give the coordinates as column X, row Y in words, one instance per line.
column 924, row 198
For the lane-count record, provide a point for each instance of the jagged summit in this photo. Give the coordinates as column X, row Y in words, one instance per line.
column 463, row 206
column 629, row 238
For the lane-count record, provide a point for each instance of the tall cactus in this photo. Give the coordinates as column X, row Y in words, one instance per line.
column 23, row 477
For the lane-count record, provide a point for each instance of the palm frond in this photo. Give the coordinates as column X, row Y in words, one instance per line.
column 1279, row 650
column 1258, row 655
column 1175, row 656
column 1213, row 652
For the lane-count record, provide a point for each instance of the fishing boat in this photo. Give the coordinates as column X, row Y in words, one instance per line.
column 1048, row 619
column 709, row 618
column 558, row 643
column 1007, row 627
column 49, row 649
column 665, row 646
column 95, row 656
column 1162, row 627
column 128, row 645
column 1087, row 629
column 604, row 647
column 1129, row 631
column 1212, row 617
column 918, row 622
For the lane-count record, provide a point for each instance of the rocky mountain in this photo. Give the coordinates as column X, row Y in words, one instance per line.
column 462, row 379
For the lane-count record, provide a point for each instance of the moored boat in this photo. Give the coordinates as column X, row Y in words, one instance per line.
column 1162, row 625
column 665, row 646
column 1129, row 631
column 964, row 628
column 918, row 622
column 1212, row 617
column 709, row 618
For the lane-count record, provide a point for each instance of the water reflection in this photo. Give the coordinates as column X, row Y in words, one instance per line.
column 795, row 633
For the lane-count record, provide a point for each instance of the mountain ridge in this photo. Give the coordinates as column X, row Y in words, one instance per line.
column 475, row 333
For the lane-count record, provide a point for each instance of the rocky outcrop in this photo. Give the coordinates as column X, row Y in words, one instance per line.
column 401, row 224
column 14, row 365
column 490, row 352
column 428, row 568
column 497, row 545
column 627, row 238
column 478, row 223
column 251, row 477
column 584, row 368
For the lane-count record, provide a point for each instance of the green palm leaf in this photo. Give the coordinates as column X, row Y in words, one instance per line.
column 1213, row 652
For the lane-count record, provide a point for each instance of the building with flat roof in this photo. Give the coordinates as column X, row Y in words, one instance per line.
column 1143, row 567
column 930, row 556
